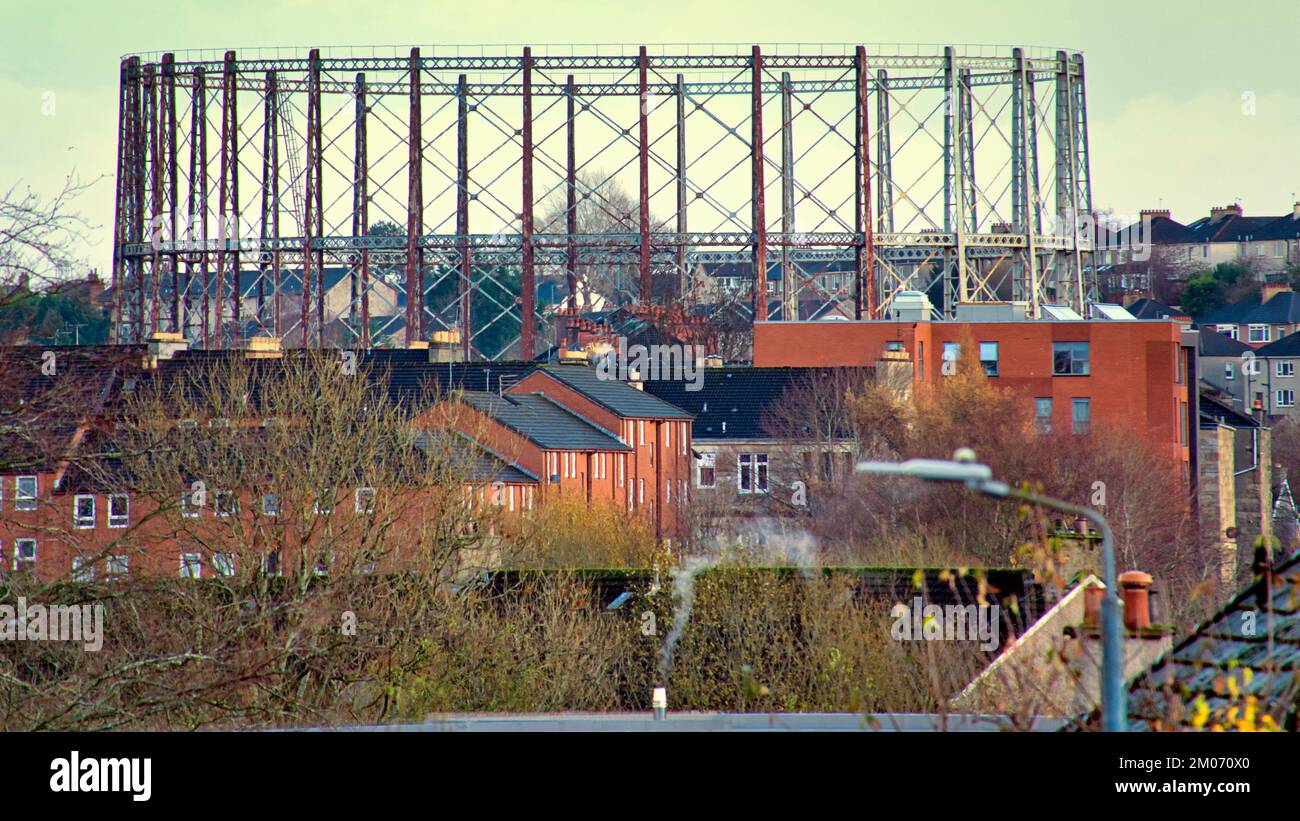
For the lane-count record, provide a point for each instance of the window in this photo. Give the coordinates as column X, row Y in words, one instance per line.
column 622, row 466
column 1082, row 414
column 324, row 502
column 640, row 431
column 826, row 466
column 1284, row 369
column 365, row 500
column 989, row 358
column 1279, row 249
column 271, row 563
column 640, row 491
column 82, row 569
column 83, row 511
column 706, row 473
column 118, row 565
column 1070, row 359
column 190, row 503
column 1182, row 423
column 119, row 510
column 1229, row 373
column 25, row 554
column 684, row 437
column 1229, row 330
column 1257, row 333
column 223, row 564
column 224, row 503
column 270, row 504
column 191, row 566
column 951, row 353
column 751, row 472
column 668, row 491
column 1284, row 398
column 25, row 493
column 668, row 437
column 1043, row 414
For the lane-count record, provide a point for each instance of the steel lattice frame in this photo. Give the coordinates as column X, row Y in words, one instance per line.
column 850, row 170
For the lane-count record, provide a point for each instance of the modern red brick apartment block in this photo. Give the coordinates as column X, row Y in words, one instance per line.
column 1077, row 374
column 546, row 430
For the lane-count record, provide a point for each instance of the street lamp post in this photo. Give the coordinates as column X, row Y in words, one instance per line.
column 979, row 477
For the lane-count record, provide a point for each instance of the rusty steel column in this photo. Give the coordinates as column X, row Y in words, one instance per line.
column 270, row 190
column 758, row 215
column 571, row 199
column 316, row 140
column 168, row 111
column 414, row 211
column 154, row 165
column 643, row 163
column 462, row 215
column 683, row 278
column 527, row 285
column 789, row 298
column 120, row 207
column 361, row 211
column 137, row 228
column 884, row 151
column 198, row 199
column 311, row 277
column 233, row 219
column 864, row 297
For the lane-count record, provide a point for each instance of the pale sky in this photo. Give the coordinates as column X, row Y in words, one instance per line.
column 1167, row 82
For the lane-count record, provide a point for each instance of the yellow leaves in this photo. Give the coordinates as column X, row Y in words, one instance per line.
column 1200, row 713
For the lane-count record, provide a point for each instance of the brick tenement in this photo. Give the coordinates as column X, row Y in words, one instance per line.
column 1137, row 380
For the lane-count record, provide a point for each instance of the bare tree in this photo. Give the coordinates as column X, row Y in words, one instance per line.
column 39, row 237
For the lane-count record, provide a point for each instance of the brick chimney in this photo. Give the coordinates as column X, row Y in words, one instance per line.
column 1295, row 211
column 1135, row 590
column 1155, row 213
column 1219, row 212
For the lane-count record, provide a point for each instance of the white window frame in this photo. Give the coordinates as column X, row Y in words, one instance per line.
column 218, row 495
column 272, row 509
column 25, row 562
column 119, row 518
column 1284, row 369
column 223, row 564
column 23, row 500
column 318, row 510
column 83, row 522
column 1284, row 398
column 1076, row 402
column 366, row 492
column 191, row 566
column 117, row 565
column 707, row 461
column 1251, row 333
column 1229, row 372
column 751, row 462
column 83, row 570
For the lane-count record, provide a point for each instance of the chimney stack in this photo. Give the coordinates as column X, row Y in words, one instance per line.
column 1219, row 212
column 1135, row 589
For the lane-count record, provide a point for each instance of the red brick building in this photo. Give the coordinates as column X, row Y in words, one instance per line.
column 1077, row 374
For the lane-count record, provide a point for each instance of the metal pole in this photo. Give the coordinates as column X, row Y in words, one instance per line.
column 643, row 160
column 414, row 210
column 789, row 304
column 682, row 277
column 1114, row 707
column 571, row 198
column 758, row 216
column 527, row 347
column 865, row 275
column 462, row 214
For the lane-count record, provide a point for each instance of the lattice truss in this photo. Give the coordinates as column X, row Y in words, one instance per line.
column 336, row 199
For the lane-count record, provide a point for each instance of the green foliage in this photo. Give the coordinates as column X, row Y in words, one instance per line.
column 51, row 318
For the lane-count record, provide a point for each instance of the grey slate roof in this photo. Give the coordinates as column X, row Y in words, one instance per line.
column 613, row 394
column 544, row 422
column 1230, row 314
column 1288, row 345
column 1214, row 343
column 1258, row 630
column 733, row 401
column 1281, row 309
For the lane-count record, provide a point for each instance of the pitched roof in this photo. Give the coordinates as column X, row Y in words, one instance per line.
column 1283, row 308
column 1259, row 631
column 544, row 422
column 1213, row 412
column 1230, row 314
column 1151, row 309
column 1288, row 345
column 1214, row 343
column 613, row 394
column 733, row 402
